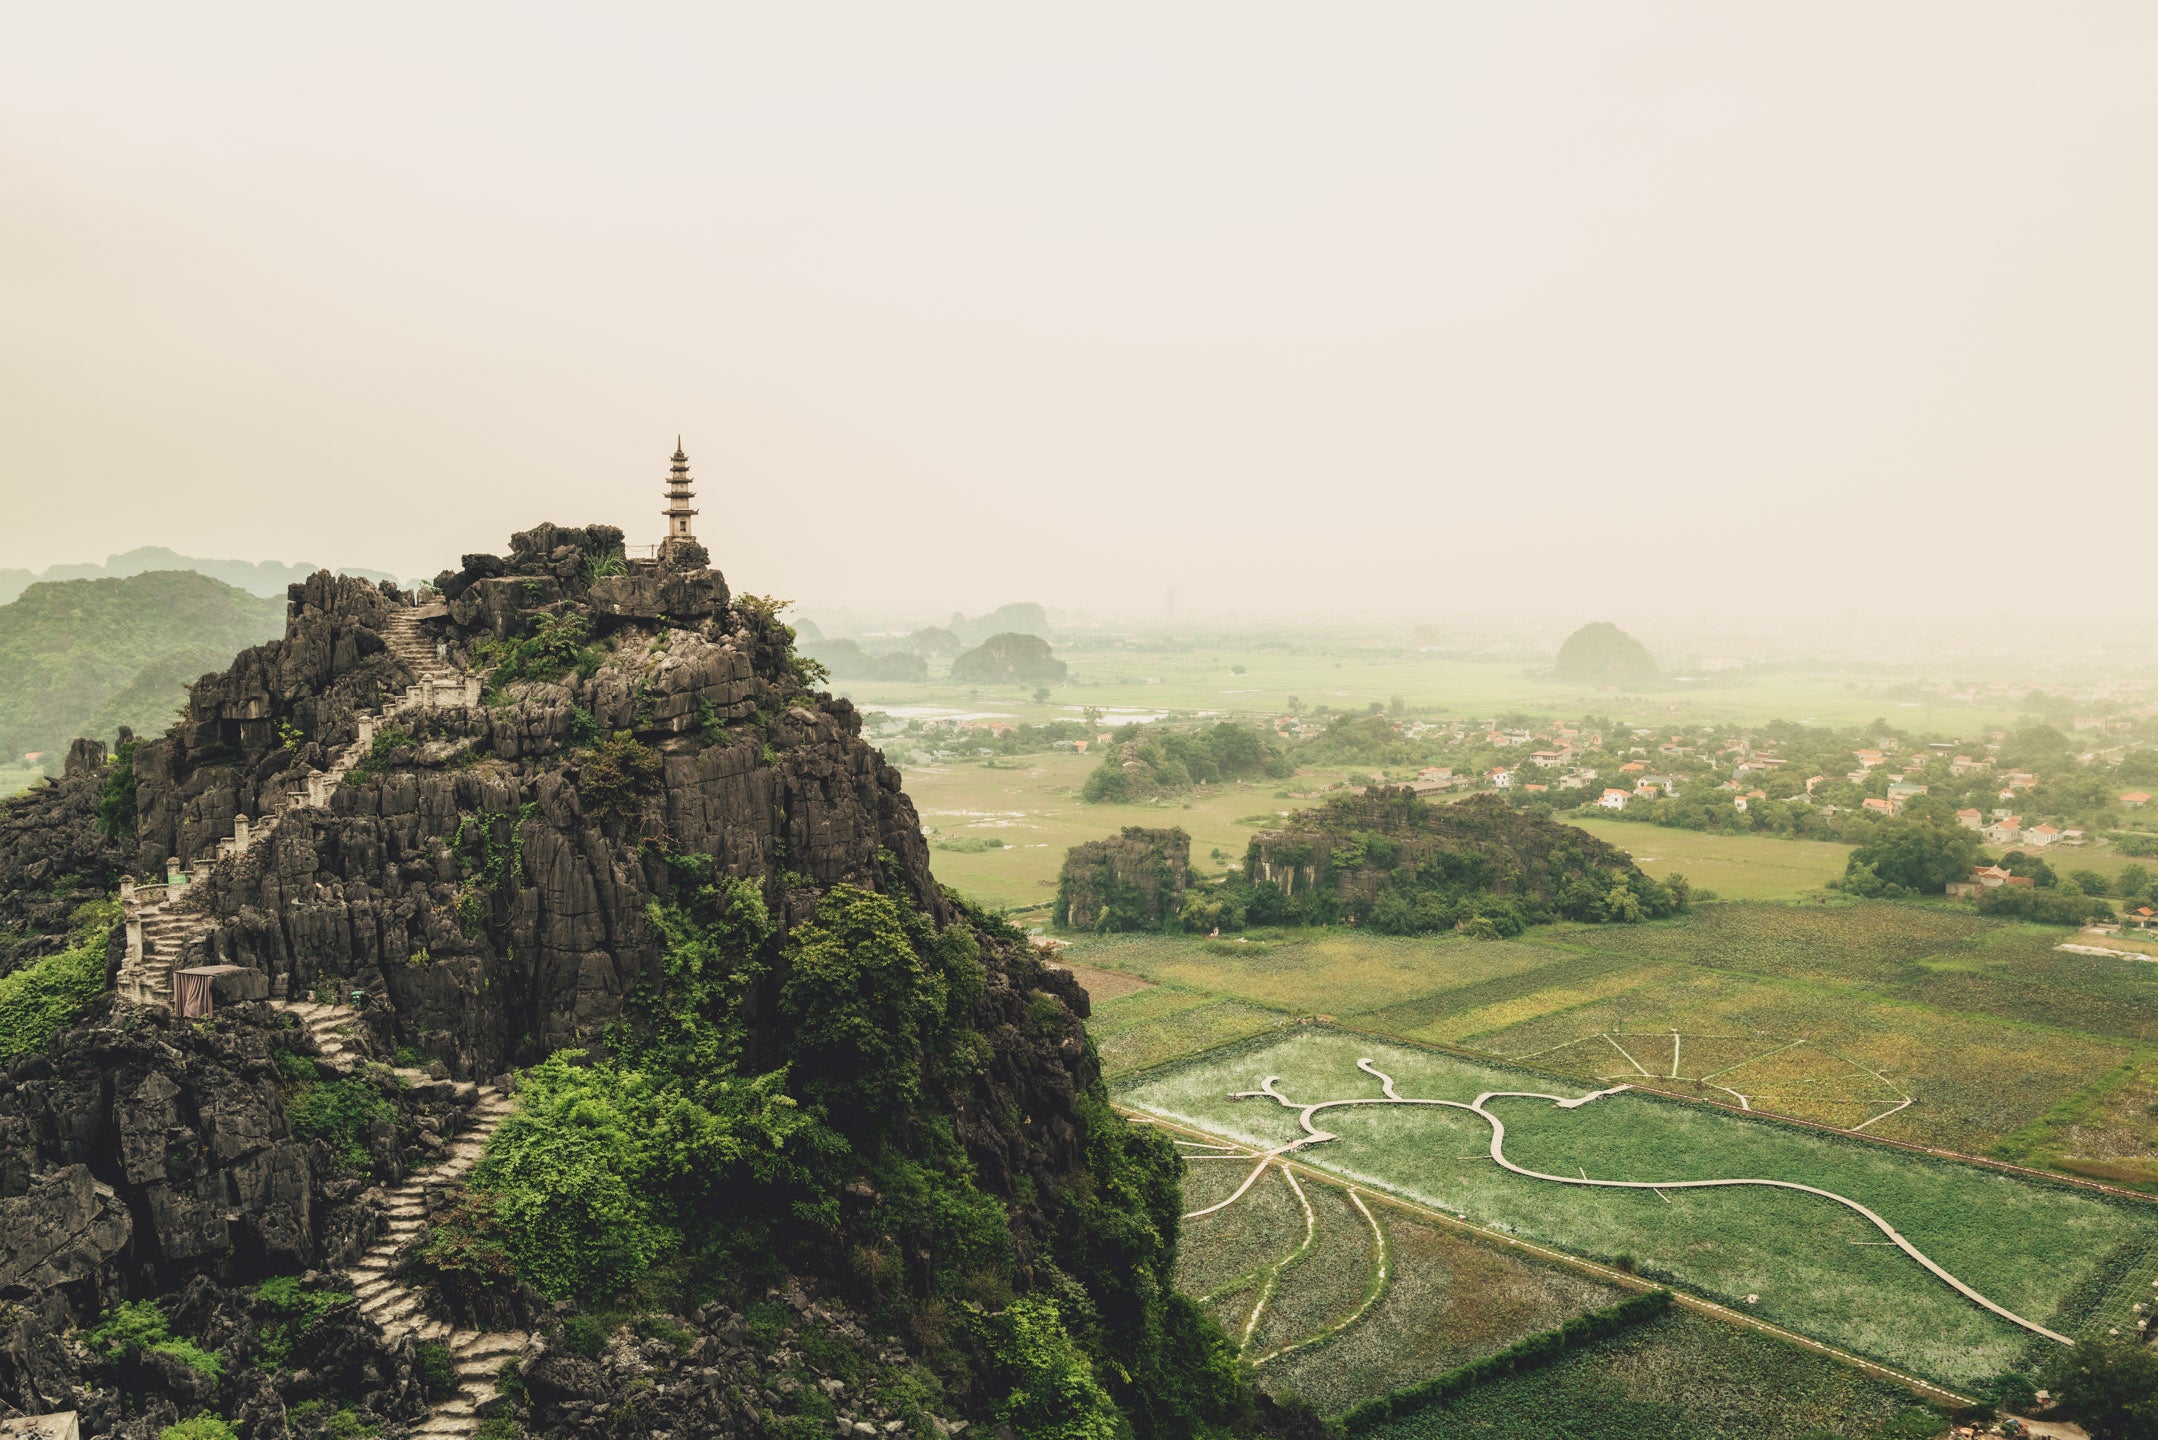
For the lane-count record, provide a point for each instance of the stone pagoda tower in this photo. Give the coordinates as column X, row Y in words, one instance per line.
column 678, row 512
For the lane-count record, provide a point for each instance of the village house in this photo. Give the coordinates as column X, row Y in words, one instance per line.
column 2005, row 831
column 1656, row 785
column 1614, row 799
column 1867, row 759
column 1986, row 877
column 2041, row 835
column 1875, row 805
column 2136, row 799
column 1971, row 819
column 1905, row 791
column 1963, row 765
column 1500, row 778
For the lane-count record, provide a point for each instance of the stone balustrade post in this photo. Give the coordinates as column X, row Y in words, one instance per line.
column 175, row 877
column 127, row 889
column 134, row 941
column 242, row 832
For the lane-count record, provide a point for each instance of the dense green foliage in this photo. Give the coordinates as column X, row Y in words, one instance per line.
column 1149, row 761
column 1600, row 653
column 555, row 644
column 116, row 800
column 619, row 773
column 293, row 1310
column 1526, row 1354
column 84, row 657
column 142, row 1325
column 1391, row 861
column 339, row 1113
column 871, row 1003
column 45, row 996
column 1053, row 1393
column 199, row 1427
column 2110, row 1387
column 1911, row 856
column 826, row 1142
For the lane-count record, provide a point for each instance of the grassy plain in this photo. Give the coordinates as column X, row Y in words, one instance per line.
column 1736, row 867
column 1679, row 1377
column 1032, row 804
column 2055, row 1255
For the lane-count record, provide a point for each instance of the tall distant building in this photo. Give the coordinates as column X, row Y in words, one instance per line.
column 678, row 512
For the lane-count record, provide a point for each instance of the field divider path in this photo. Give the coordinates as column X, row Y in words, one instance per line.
column 1625, row 1279
column 1313, row 1135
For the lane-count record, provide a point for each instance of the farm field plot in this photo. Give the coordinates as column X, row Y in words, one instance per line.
column 1679, row 1377
column 1316, row 972
column 2053, row 1255
column 1146, row 1027
column 1865, row 943
column 1736, row 867
column 1445, row 1299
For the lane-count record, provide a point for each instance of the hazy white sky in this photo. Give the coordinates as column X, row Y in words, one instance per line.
column 1621, row 306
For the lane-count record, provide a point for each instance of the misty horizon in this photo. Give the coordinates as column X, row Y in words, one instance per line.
column 1573, row 312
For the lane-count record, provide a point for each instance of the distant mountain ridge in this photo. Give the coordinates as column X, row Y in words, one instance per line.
column 84, row 657
column 267, row 578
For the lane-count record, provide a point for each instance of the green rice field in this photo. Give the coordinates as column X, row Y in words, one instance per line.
column 1446, row 1297
column 1678, row 1377
column 1919, row 1023
column 2062, row 1257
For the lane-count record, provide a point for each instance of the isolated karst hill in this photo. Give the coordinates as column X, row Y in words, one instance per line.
column 660, row 880
column 1012, row 659
column 1602, row 654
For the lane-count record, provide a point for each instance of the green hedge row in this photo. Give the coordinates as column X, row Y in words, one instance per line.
column 1525, row 1354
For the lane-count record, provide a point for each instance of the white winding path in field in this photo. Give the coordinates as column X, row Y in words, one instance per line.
column 1313, row 1135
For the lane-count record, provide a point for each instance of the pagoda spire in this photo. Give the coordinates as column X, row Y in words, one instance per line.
column 680, row 492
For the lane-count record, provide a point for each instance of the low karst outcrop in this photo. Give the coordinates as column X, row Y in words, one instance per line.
column 1133, row 880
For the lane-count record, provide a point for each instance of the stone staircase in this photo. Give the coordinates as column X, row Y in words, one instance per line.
column 160, row 927
column 476, row 1356
column 440, row 682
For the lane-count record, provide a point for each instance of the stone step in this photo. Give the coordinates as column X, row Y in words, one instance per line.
column 404, row 1307
column 483, row 1343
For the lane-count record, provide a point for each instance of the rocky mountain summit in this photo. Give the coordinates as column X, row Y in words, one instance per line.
column 584, row 827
